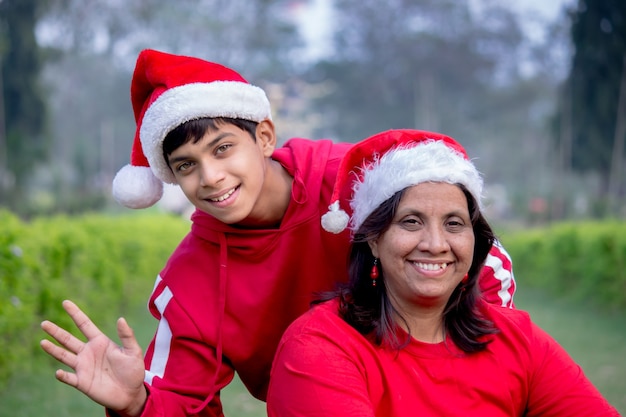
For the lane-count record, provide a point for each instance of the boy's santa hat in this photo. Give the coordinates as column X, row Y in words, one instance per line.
column 166, row 91
column 380, row 166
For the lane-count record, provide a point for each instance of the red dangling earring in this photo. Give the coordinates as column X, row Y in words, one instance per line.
column 374, row 272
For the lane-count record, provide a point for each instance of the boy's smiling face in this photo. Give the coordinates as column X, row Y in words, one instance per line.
column 225, row 173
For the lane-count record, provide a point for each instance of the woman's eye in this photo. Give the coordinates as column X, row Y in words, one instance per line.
column 410, row 223
column 455, row 224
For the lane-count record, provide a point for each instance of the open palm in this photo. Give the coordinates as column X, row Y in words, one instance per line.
column 110, row 374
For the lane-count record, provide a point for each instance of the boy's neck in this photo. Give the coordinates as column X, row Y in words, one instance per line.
column 275, row 199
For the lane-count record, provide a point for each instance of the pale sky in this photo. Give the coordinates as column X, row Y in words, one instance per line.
column 316, row 17
column 548, row 8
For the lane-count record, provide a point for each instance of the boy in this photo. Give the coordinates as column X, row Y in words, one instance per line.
column 254, row 257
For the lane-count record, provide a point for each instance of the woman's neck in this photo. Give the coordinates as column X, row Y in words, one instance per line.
column 425, row 325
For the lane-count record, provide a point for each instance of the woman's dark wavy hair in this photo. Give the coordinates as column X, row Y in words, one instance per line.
column 369, row 310
column 194, row 130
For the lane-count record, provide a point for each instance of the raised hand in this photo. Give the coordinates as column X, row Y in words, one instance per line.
column 109, row 374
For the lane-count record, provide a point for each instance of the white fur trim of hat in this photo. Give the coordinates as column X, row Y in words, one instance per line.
column 178, row 105
column 376, row 168
column 431, row 161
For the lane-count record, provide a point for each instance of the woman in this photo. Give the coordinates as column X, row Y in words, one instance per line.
column 409, row 334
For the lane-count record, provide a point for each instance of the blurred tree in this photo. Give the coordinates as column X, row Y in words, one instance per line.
column 92, row 48
column 596, row 120
column 23, row 143
column 441, row 65
column 254, row 37
column 416, row 63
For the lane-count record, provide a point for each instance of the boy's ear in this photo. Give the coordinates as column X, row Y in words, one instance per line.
column 266, row 137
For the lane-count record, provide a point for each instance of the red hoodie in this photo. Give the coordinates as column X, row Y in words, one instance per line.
column 227, row 294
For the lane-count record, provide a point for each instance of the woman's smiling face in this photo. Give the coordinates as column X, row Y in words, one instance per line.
column 428, row 248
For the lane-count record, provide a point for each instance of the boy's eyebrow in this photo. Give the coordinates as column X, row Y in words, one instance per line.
column 208, row 145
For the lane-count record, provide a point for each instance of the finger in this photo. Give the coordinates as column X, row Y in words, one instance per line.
column 60, row 354
column 82, row 321
column 127, row 337
column 66, row 377
column 62, row 336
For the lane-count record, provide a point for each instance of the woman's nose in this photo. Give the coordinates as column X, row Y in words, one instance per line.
column 433, row 239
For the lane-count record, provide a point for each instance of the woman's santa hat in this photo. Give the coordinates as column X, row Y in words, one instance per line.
column 380, row 166
column 166, row 91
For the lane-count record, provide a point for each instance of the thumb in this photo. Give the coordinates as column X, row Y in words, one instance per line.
column 127, row 337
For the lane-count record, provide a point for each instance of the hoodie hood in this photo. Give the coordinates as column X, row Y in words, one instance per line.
column 257, row 243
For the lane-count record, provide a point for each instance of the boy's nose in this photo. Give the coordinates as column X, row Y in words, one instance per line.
column 210, row 175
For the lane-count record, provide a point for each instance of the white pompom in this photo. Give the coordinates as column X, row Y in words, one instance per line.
column 136, row 187
column 335, row 220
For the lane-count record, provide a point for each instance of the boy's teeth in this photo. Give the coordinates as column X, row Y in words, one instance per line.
column 223, row 197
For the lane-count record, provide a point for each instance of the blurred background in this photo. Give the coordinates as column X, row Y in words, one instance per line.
column 535, row 90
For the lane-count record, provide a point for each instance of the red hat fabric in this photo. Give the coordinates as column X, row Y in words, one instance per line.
column 381, row 165
column 166, row 91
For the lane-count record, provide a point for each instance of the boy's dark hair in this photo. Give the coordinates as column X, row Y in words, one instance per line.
column 194, row 130
column 369, row 310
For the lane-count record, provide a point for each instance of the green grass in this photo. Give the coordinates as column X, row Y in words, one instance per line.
column 38, row 393
column 595, row 339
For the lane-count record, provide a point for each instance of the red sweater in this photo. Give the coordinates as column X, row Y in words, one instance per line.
column 227, row 294
column 324, row 367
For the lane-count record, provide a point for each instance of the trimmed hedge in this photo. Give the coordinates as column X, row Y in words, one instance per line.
column 108, row 264
column 105, row 263
column 583, row 261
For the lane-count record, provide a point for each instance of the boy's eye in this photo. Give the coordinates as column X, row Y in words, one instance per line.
column 223, row 148
column 183, row 166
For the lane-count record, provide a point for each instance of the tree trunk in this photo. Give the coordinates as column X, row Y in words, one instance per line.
column 557, row 211
column 4, row 172
column 617, row 159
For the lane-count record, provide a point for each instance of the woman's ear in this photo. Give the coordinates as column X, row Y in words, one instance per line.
column 373, row 244
column 266, row 137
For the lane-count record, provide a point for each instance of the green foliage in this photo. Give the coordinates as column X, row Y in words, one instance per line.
column 585, row 261
column 104, row 262
column 16, row 299
column 108, row 264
